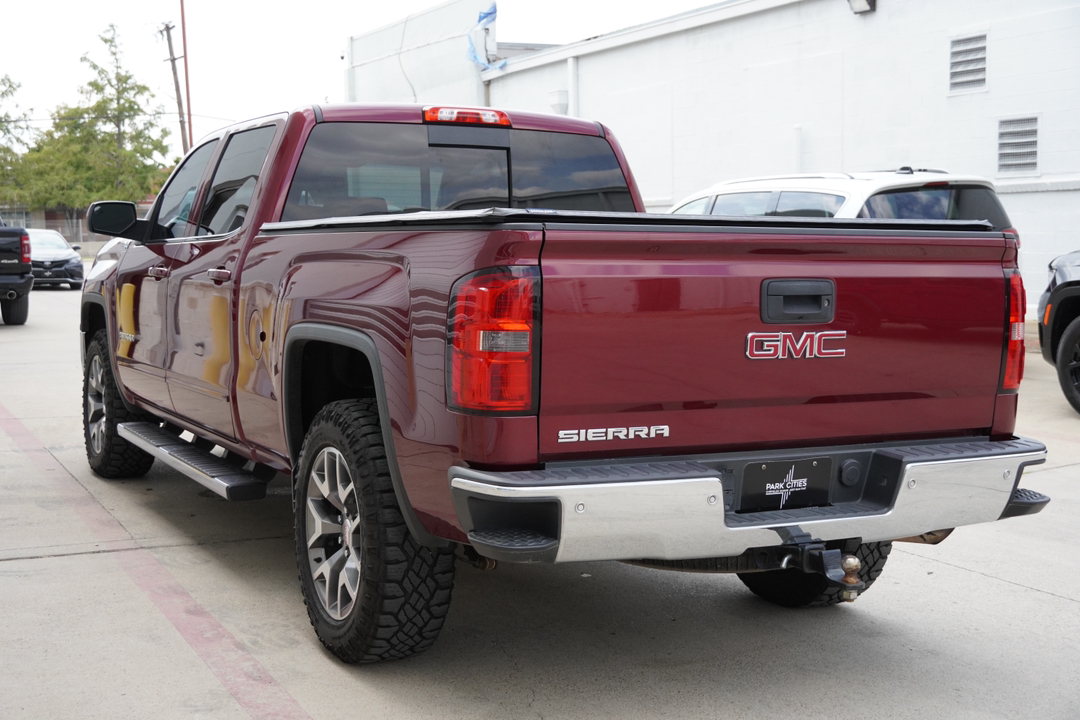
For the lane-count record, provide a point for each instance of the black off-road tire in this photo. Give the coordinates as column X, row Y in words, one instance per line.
column 348, row 524
column 15, row 311
column 795, row 589
column 110, row 455
column 1068, row 363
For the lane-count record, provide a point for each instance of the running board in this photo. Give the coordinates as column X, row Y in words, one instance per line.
column 228, row 481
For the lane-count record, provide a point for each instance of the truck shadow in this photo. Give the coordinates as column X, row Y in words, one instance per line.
column 608, row 639
column 612, row 640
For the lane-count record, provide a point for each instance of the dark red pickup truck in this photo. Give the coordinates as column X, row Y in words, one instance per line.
column 459, row 335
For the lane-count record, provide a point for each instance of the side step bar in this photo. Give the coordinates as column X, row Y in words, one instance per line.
column 228, row 481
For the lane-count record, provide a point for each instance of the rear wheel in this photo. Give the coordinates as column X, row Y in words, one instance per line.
column 1068, row 363
column 109, row 454
column 15, row 311
column 372, row 592
column 794, row 588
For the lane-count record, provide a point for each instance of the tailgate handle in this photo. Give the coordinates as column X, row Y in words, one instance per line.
column 795, row 301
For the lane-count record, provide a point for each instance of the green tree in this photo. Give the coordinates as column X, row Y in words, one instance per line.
column 14, row 128
column 109, row 147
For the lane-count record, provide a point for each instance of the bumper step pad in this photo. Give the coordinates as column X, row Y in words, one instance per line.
column 228, row 481
column 514, row 545
column 1024, row 502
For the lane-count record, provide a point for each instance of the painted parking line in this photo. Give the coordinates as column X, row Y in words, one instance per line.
column 243, row 676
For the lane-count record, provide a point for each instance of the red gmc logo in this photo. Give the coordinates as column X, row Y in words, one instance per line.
column 780, row 345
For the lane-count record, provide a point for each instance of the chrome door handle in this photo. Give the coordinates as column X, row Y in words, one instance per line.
column 158, row 271
column 219, row 274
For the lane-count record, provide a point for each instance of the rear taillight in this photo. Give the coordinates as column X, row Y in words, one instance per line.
column 493, row 333
column 1013, row 371
column 26, row 248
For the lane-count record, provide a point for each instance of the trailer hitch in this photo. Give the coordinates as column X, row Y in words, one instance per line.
column 801, row 551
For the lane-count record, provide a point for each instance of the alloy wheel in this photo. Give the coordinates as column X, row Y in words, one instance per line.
column 332, row 525
column 95, row 404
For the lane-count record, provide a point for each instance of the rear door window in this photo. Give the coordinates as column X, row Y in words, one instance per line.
column 234, row 181
column 748, row 203
column 808, row 204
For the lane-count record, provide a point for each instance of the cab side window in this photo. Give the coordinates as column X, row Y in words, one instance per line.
column 234, row 181
column 175, row 201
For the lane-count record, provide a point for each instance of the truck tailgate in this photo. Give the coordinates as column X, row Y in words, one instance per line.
column 648, row 337
column 11, row 252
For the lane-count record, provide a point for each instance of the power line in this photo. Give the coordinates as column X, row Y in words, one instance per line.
column 54, row 118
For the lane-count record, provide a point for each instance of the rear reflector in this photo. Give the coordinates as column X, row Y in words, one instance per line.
column 492, row 336
column 26, row 248
column 1013, row 371
column 477, row 116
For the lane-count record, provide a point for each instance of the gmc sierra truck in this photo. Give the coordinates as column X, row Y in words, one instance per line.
column 16, row 274
column 459, row 335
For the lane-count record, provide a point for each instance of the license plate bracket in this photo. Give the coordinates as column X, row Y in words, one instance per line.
column 785, row 484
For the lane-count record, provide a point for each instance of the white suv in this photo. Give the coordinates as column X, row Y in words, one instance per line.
column 909, row 194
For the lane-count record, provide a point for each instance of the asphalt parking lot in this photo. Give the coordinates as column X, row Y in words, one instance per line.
column 155, row 598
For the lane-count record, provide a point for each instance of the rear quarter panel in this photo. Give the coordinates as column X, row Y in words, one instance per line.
column 394, row 287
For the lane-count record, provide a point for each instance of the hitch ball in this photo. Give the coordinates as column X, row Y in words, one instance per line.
column 851, row 566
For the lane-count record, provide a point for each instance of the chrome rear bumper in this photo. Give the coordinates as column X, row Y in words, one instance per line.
column 682, row 509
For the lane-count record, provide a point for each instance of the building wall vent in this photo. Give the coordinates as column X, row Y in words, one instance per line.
column 967, row 63
column 1018, row 145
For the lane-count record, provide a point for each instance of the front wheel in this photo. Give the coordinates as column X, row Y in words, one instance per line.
column 110, row 455
column 15, row 311
column 372, row 592
column 1068, row 363
column 794, row 588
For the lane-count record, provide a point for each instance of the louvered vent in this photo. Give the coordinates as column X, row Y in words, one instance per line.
column 1018, row 145
column 967, row 63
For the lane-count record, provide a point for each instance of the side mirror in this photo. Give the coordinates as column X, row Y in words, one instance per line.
column 76, row 248
column 116, row 219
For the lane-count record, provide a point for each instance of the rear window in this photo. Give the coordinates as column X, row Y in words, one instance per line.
column 47, row 240
column 972, row 202
column 566, row 172
column 350, row 169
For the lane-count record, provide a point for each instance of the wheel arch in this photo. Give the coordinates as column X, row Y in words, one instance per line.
column 1065, row 307
column 314, row 356
column 93, row 317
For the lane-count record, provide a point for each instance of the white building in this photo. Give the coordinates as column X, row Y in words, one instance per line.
column 762, row 87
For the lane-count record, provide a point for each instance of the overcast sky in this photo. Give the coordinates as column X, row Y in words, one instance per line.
column 249, row 59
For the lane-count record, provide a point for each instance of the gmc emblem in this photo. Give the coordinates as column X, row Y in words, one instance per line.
column 780, row 345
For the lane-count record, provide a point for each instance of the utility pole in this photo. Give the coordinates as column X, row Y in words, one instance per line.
column 187, row 74
column 167, row 29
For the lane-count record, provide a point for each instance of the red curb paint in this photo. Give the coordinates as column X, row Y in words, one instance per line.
column 244, row 677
